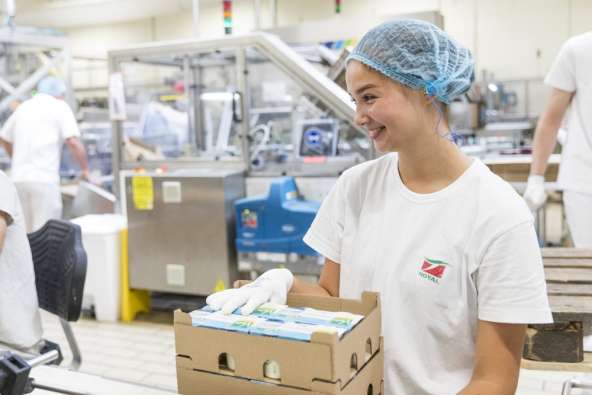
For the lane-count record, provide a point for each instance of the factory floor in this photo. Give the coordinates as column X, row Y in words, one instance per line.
column 139, row 352
column 143, row 353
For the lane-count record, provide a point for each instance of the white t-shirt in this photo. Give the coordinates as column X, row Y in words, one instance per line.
column 37, row 129
column 572, row 72
column 440, row 261
column 20, row 323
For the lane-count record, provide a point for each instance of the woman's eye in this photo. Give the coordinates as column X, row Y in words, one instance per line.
column 368, row 98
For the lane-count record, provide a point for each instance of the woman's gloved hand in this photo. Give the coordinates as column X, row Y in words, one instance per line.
column 272, row 286
column 535, row 194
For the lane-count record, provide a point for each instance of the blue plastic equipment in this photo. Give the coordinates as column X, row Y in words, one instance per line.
column 275, row 223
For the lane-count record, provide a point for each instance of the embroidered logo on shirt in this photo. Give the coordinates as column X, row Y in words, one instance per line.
column 432, row 269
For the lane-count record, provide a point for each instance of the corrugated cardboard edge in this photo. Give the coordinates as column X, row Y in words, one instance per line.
column 181, row 317
column 371, row 372
column 354, row 342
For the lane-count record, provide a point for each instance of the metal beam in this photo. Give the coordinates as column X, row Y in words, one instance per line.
column 272, row 47
column 7, row 86
column 9, row 36
column 195, row 14
column 31, row 82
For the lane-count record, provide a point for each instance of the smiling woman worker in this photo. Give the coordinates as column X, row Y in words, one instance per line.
column 449, row 245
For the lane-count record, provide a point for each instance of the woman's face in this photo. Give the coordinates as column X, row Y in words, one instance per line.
column 387, row 110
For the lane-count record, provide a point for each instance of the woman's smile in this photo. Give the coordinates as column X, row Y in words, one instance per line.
column 375, row 132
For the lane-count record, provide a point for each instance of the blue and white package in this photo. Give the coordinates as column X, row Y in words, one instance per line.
column 276, row 320
column 267, row 328
column 337, row 319
column 269, row 310
column 340, row 319
column 236, row 323
column 299, row 331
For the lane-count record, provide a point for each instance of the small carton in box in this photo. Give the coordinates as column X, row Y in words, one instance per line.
column 324, row 364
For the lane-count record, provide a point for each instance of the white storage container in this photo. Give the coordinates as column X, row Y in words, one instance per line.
column 101, row 240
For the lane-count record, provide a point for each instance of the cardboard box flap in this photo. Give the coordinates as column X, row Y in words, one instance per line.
column 359, row 345
column 327, row 303
column 368, row 380
column 370, row 300
column 181, row 317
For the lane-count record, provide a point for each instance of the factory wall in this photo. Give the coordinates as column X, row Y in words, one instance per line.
column 513, row 39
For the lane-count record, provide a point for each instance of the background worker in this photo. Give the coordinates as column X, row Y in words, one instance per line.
column 450, row 246
column 570, row 80
column 33, row 137
column 20, row 323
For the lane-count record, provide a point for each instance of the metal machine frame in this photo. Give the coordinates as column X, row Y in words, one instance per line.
column 307, row 76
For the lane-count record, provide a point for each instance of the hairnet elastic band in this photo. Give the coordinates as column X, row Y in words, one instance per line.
column 450, row 135
column 430, row 89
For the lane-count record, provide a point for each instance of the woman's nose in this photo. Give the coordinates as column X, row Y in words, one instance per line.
column 361, row 119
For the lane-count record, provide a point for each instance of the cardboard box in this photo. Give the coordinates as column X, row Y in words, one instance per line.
column 323, row 365
column 368, row 381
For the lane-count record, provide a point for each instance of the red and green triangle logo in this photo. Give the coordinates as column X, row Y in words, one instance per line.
column 434, row 267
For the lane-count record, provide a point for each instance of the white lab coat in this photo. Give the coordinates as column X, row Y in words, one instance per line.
column 37, row 130
column 571, row 73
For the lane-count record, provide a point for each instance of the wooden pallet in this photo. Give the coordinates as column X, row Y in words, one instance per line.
column 584, row 366
column 568, row 272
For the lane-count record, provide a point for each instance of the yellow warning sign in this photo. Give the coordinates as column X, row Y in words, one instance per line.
column 143, row 192
column 220, row 286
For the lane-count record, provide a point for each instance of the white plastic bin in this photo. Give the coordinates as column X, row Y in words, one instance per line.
column 101, row 240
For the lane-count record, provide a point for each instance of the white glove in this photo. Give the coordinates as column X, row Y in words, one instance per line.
column 272, row 286
column 535, row 195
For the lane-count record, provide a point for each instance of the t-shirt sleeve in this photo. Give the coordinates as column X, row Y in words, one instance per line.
column 326, row 231
column 69, row 127
column 562, row 73
column 8, row 198
column 511, row 281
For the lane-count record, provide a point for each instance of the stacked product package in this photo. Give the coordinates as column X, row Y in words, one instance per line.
column 279, row 321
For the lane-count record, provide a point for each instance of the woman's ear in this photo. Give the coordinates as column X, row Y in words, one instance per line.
column 427, row 99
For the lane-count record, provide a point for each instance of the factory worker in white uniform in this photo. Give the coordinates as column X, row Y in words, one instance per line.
column 449, row 245
column 33, row 136
column 20, row 323
column 570, row 80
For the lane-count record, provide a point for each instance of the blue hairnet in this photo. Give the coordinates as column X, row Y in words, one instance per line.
column 51, row 86
column 419, row 55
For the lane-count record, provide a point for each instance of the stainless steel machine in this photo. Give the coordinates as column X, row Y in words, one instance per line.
column 181, row 229
column 218, row 118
